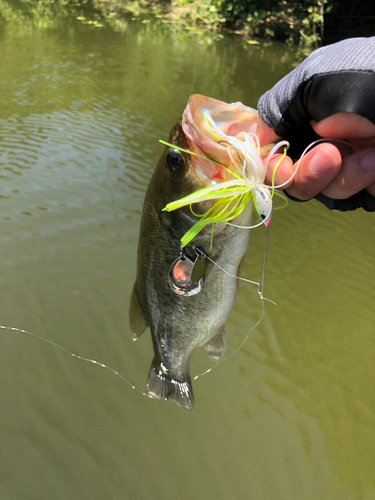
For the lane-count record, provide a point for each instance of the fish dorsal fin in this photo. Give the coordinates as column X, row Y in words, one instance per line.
column 215, row 348
column 138, row 323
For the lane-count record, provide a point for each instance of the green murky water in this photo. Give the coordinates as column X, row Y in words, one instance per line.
column 290, row 416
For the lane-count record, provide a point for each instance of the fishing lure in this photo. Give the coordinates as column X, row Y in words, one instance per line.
column 248, row 173
column 231, row 198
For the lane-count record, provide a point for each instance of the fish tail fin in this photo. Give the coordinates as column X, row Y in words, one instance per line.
column 161, row 385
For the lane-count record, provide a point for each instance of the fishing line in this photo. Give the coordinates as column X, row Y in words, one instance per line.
column 82, row 358
column 260, row 287
column 203, row 255
column 244, row 340
column 264, row 261
column 291, row 177
column 199, row 253
column 260, row 290
column 306, row 151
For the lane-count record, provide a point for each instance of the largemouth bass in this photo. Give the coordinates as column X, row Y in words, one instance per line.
column 183, row 317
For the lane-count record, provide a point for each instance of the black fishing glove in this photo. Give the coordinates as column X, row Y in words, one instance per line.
column 334, row 79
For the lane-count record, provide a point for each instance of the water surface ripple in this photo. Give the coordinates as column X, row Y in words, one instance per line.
column 289, row 416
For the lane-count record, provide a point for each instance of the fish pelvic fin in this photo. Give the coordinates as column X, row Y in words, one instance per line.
column 215, row 348
column 138, row 323
column 161, row 385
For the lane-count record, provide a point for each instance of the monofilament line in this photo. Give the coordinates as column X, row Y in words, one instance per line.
column 82, row 358
column 201, row 254
column 264, row 261
column 238, row 348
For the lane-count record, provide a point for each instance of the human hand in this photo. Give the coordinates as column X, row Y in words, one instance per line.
column 332, row 169
column 330, row 95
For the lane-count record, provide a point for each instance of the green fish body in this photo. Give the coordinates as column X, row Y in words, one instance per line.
column 181, row 322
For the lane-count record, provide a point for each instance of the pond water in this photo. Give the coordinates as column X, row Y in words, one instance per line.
column 289, row 416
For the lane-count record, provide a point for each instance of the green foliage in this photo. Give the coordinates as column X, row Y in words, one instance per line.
column 297, row 22
column 38, row 13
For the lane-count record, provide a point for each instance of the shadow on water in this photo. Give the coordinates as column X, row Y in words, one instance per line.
column 290, row 416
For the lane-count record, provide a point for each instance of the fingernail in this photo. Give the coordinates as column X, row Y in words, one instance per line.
column 368, row 161
column 322, row 162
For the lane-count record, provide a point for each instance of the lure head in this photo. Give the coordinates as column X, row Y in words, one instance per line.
column 263, row 203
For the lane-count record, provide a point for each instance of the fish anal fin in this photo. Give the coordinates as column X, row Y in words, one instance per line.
column 215, row 348
column 160, row 385
column 138, row 323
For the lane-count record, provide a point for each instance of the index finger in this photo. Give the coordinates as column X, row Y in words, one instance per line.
column 344, row 126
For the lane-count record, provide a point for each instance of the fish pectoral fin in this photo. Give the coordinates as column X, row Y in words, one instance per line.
column 161, row 385
column 215, row 348
column 138, row 323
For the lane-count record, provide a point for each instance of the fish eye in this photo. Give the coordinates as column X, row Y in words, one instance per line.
column 175, row 160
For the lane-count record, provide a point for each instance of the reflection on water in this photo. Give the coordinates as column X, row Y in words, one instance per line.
column 290, row 416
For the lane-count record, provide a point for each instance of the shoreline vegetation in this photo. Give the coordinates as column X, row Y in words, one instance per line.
column 306, row 24
column 289, row 22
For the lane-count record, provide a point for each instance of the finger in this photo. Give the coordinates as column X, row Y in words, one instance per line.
column 315, row 171
column 265, row 134
column 344, row 126
column 357, row 173
column 284, row 170
column 367, row 142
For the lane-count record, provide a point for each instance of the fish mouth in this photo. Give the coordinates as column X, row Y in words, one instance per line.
column 207, row 163
column 224, row 159
column 205, row 122
column 207, row 172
